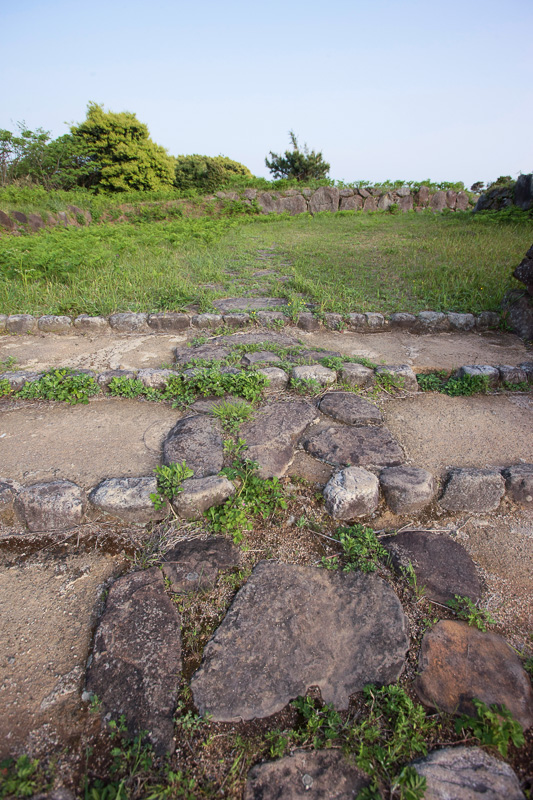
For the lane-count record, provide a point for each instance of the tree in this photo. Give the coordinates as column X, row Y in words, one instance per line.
column 300, row 164
column 119, row 154
column 205, row 173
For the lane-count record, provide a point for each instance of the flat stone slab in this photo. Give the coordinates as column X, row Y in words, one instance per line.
column 197, row 441
column 467, row 773
column 248, row 303
column 260, row 357
column 272, row 436
column 292, row 627
column 200, row 494
column 315, row 775
column 407, row 490
column 195, row 563
column 348, row 408
column 360, row 447
column 136, row 661
column 49, row 506
column 128, row 499
column 474, row 490
column 256, row 337
column 206, row 352
column 442, row 566
column 458, row 663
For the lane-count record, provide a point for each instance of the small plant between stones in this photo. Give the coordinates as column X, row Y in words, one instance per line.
column 169, row 483
column 23, row 777
column 361, row 550
column 492, row 725
column 466, row 386
column 466, row 609
column 61, row 384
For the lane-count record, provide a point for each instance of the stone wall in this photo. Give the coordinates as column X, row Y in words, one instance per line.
column 329, row 198
column 519, row 194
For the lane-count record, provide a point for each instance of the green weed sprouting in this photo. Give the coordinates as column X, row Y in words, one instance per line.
column 5, row 387
column 169, row 483
column 388, row 381
column 492, row 725
column 232, row 414
column 361, row 550
column 465, row 386
column 466, row 609
column 306, row 386
column 22, row 777
column 61, row 384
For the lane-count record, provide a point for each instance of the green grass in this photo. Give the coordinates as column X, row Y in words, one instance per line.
column 343, row 262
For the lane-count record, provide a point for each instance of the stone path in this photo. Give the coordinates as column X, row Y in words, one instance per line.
column 448, row 473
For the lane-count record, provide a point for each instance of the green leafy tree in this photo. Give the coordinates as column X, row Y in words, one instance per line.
column 301, row 164
column 119, row 154
column 205, row 173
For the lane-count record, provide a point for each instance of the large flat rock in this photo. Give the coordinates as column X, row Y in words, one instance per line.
column 197, row 441
column 292, row 627
column 195, row 563
column 458, row 663
column 136, row 660
column 347, row 407
column 272, row 435
column 363, row 446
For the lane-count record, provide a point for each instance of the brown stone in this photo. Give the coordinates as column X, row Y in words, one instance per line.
column 519, row 484
column 51, row 505
column 271, row 437
column 370, row 204
column 462, row 202
column 459, row 663
column 348, row 408
column 195, row 563
column 326, row 198
column 352, row 203
column 197, row 441
column 315, row 775
column 442, row 566
column 295, row 204
column 422, row 196
column 6, row 221
column 361, row 447
column 20, row 217
column 136, row 661
column 167, row 321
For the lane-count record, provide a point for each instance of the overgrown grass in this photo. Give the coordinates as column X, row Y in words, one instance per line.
column 343, row 262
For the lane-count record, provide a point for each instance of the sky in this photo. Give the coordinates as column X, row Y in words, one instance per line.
column 385, row 89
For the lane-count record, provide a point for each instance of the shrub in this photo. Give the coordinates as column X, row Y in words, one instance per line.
column 206, row 174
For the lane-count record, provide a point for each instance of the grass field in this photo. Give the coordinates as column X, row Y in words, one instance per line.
column 340, row 262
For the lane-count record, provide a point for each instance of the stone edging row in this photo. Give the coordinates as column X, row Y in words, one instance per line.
column 61, row 504
column 351, row 374
column 174, row 322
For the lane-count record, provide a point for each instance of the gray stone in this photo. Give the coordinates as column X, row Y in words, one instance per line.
column 278, row 378
column 199, row 494
column 128, row 499
column 403, row 374
column 88, row 324
column 523, row 191
column 314, row 372
column 451, row 199
column 326, row 198
column 3, row 320
column 207, row 321
column 194, row 564
column 363, row 192
column 362, row 447
column 403, row 321
column 205, row 352
column 407, row 490
column 21, row 323
column 480, row 370
column 136, row 659
column 370, row 204
column 315, row 775
column 249, row 303
column 292, row 205
column 105, row 378
column 236, row 320
column 357, row 322
column 512, row 375
column 169, row 321
column 312, row 356
column 385, row 202
column 155, row 378
column 291, row 627
column 376, row 322
column 403, row 191
column 432, row 322
column 518, row 311
column 35, row 221
column 353, row 203
column 260, row 357
column 442, row 566
column 129, row 323
column 272, row 436
column 487, row 320
column 527, row 366
column 474, row 490
column 406, row 204
column 438, row 201
column 6, row 221
column 461, row 322
column 352, row 492
column 197, row 441
column 51, row 323
column 50, row 506
column 459, row 662
column 267, row 318
column 308, row 322
column 18, row 379
column 349, row 408
column 268, row 203
column 356, row 375
column 467, row 773
column 333, row 322
column 519, row 484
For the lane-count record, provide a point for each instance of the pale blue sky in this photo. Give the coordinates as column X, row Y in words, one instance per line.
column 406, row 89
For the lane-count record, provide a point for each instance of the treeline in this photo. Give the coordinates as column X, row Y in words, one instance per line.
column 110, row 152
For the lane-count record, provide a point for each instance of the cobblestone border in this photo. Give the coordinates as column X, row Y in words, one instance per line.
column 170, row 322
